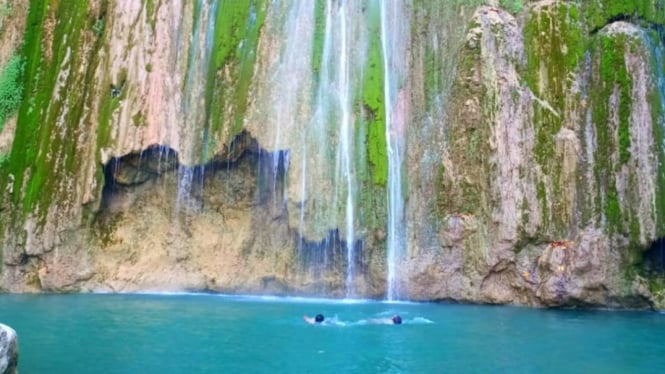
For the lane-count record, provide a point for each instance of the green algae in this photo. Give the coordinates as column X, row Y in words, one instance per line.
column 374, row 105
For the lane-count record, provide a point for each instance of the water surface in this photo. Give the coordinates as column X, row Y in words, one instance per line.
column 91, row 333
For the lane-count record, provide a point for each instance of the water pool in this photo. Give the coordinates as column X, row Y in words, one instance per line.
column 92, row 333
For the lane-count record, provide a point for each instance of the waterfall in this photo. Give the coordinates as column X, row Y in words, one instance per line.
column 287, row 87
column 657, row 49
column 194, row 107
column 394, row 141
column 656, row 42
column 331, row 124
column 345, row 149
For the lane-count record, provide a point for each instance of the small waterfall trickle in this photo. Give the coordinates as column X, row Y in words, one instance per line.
column 194, row 107
column 657, row 45
column 394, row 141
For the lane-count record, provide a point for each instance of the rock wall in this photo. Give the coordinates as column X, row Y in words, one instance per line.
column 216, row 146
column 550, row 178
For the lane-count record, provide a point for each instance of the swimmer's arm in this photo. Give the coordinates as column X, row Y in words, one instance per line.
column 308, row 319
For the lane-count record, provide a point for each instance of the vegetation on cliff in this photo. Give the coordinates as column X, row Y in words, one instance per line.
column 10, row 88
column 48, row 127
column 554, row 88
column 373, row 100
column 238, row 26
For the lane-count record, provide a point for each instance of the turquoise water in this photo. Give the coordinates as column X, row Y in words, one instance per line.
column 226, row 334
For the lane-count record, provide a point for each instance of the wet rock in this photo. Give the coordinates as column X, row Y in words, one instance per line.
column 8, row 350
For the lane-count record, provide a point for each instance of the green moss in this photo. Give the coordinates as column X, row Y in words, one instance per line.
column 45, row 154
column 233, row 19
column 658, row 116
column 513, row 6
column 554, row 46
column 613, row 210
column 237, row 28
column 612, row 76
column 11, row 88
column 541, row 194
column 556, row 54
column 613, row 68
column 657, row 289
column 150, row 10
column 600, row 12
column 373, row 102
column 98, row 27
column 138, row 119
column 319, row 35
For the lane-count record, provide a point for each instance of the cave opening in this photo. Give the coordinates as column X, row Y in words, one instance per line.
column 653, row 260
column 160, row 162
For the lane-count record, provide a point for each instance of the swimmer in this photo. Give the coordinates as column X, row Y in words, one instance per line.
column 318, row 319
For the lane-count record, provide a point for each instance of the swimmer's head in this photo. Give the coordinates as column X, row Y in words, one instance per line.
column 397, row 320
column 319, row 318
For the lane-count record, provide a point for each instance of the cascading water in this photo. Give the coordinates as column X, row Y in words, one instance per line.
column 345, row 150
column 394, row 140
column 287, row 87
column 332, row 123
column 657, row 45
column 194, row 102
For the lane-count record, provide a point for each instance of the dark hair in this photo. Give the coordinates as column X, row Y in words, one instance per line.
column 319, row 318
column 397, row 320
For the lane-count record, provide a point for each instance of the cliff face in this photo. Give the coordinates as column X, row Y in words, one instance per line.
column 251, row 147
column 550, row 180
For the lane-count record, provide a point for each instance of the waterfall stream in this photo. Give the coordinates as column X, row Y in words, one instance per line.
column 194, row 103
column 345, row 149
column 394, row 133
column 656, row 42
column 332, row 115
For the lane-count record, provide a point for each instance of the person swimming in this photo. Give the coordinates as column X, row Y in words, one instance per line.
column 397, row 320
column 318, row 319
